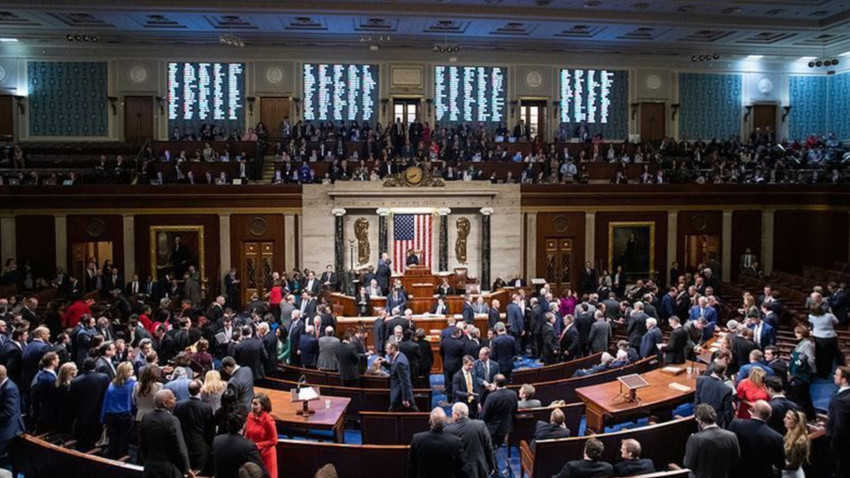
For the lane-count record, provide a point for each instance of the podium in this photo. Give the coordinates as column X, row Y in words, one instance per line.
column 632, row 383
column 305, row 395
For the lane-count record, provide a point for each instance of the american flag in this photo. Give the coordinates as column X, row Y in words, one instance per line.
column 411, row 231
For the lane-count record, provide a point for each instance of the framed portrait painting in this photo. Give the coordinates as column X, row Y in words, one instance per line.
column 174, row 249
column 631, row 245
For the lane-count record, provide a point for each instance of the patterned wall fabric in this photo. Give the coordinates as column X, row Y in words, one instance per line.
column 808, row 97
column 838, row 110
column 67, row 98
column 617, row 126
column 711, row 106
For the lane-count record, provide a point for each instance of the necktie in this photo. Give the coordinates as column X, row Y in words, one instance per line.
column 487, row 370
column 469, row 386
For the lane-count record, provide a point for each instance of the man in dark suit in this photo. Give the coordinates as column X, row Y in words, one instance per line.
column 493, row 315
column 712, row 391
column 651, row 339
column 198, row 425
column 251, row 353
column 348, row 359
column 503, row 348
column 312, row 284
column 550, row 346
column 296, row 328
column 401, row 385
column 591, row 466
column 779, row 404
column 134, row 287
column 162, row 450
column 231, row 287
column 838, row 422
column 411, row 350
column 11, row 423
column 712, row 452
column 451, row 351
column 636, row 326
column 674, row 352
column 11, row 354
column 583, row 323
column 382, row 275
column 468, row 312
column 397, row 299
column 86, row 398
column 477, row 449
column 231, row 450
column 554, row 428
column 467, row 387
column 763, row 333
column 499, row 410
column 515, row 318
column 569, row 343
column 435, row 453
column 307, row 306
column 762, row 450
column 241, row 380
column 838, row 301
column 329, row 279
column 31, row 359
column 632, row 464
column 308, row 348
column 588, row 278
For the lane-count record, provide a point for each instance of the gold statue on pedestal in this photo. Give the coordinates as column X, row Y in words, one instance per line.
column 361, row 232
column 460, row 243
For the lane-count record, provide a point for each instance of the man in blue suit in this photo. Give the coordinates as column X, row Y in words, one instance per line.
column 838, row 301
column 702, row 309
column 503, row 348
column 763, row 333
column 713, row 391
column 515, row 318
column 650, row 340
column 401, row 387
column 397, row 298
column 668, row 305
column 484, row 367
column 11, row 423
column 31, row 359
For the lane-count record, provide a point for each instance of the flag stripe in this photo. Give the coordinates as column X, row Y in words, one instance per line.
column 411, row 231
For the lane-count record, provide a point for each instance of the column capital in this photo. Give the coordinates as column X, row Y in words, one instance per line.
column 444, row 211
column 338, row 212
column 486, row 211
column 383, row 211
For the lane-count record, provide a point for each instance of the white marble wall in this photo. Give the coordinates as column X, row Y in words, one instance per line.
column 465, row 199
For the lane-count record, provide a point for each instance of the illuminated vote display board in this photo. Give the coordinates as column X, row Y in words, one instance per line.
column 206, row 93
column 595, row 98
column 470, row 93
column 340, row 92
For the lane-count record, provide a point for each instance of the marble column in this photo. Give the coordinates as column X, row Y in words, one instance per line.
column 530, row 244
column 383, row 218
column 590, row 238
column 486, row 212
column 766, row 259
column 223, row 250
column 672, row 245
column 289, row 241
column 339, row 241
column 7, row 232
column 444, row 239
column 726, row 246
column 60, row 222
column 128, row 229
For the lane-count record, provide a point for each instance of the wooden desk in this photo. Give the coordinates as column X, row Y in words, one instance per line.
column 605, row 404
column 285, row 413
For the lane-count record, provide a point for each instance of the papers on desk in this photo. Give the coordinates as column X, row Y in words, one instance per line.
column 673, row 370
column 679, row 387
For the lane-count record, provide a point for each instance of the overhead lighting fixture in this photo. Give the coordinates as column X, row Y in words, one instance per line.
column 807, row 58
column 231, row 40
column 8, row 40
column 81, row 38
column 846, row 53
column 755, row 57
column 706, row 57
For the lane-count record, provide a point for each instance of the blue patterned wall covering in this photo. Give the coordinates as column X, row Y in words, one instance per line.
column 711, row 106
column 807, row 95
column 67, row 98
column 838, row 119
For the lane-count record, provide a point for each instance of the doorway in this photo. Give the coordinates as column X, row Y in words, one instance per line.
column 701, row 249
column 256, row 266
column 533, row 112
column 407, row 109
column 559, row 262
column 653, row 122
column 273, row 110
column 764, row 117
column 83, row 252
column 138, row 118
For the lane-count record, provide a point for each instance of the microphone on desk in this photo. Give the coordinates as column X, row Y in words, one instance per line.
column 302, row 379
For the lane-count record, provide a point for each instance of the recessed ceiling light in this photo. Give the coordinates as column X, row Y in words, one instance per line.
column 755, row 57
column 846, row 53
column 8, row 40
column 808, row 58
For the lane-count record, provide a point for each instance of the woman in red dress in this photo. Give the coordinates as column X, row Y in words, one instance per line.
column 750, row 390
column 260, row 429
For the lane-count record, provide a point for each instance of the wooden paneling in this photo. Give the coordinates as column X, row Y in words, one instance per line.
column 563, row 225
column 604, row 219
column 653, row 122
column 272, row 112
column 258, row 228
column 212, row 243
column 746, row 233
column 764, row 116
column 35, row 239
column 809, row 238
column 98, row 228
column 7, row 111
column 138, row 118
column 689, row 223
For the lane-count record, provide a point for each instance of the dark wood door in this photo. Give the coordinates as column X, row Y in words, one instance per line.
column 273, row 110
column 653, row 124
column 764, row 117
column 257, row 264
column 138, row 118
column 558, row 262
column 6, row 117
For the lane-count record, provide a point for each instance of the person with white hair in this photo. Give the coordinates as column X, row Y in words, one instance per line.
column 651, row 339
column 607, row 362
column 478, row 454
column 435, row 453
column 327, row 351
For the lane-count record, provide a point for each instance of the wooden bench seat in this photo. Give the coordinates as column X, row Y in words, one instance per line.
column 663, row 443
column 392, row 428
column 525, row 421
column 322, row 377
column 301, row 459
column 556, row 371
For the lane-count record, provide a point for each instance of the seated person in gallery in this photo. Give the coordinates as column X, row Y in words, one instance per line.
column 412, row 258
column 607, row 363
column 374, row 290
column 445, row 288
column 440, row 307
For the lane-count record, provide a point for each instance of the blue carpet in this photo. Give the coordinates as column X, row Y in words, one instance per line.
column 822, row 391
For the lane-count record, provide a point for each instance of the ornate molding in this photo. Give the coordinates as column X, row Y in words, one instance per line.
column 487, row 211
column 383, row 211
column 444, row 211
column 338, row 212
